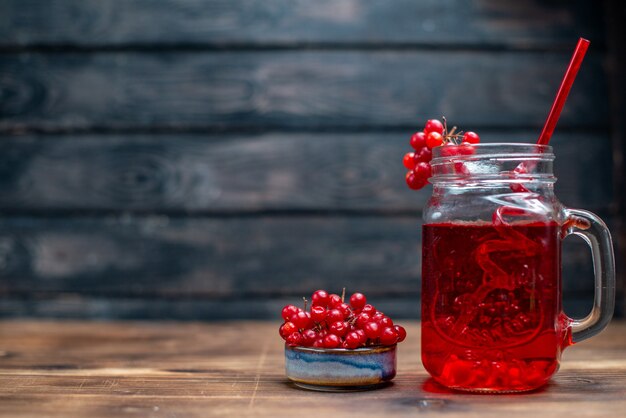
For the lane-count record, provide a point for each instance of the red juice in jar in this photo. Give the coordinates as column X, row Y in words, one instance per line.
column 492, row 304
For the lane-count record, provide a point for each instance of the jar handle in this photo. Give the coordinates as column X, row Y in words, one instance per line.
column 594, row 231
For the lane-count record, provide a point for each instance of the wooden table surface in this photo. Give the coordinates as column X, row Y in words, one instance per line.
column 169, row 369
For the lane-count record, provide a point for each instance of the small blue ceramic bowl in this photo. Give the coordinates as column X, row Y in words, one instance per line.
column 339, row 369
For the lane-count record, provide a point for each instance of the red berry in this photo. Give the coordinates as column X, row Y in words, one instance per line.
column 388, row 336
column 318, row 313
column 362, row 336
column 286, row 329
column 334, row 300
column 434, row 139
column 353, row 340
column 433, row 125
column 385, row 321
column 414, row 181
column 308, row 337
column 319, row 298
column 295, row 338
column 471, row 137
column 289, row 311
column 423, row 170
column 334, row 315
column 302, row 319
column 372, row 330
column 369, row 309
column 338, row 328
column 466, row 149
column 449, row 150
column 418, row 140
column 358, row 300
column 401, row 333
column 424, row 155
column 345, row 309
column 332, row 341
column 362, row 319
column 319, row 343
column 409, row 160
column 378, row 316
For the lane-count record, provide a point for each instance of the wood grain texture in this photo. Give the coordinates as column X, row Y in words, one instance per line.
column 253, row 172
column 173, row 369
column 516, row 23
column 72, row 305
column 210, row 257
column 228, row 257
column 616, row 13
column 292, row 89
column 267, row 123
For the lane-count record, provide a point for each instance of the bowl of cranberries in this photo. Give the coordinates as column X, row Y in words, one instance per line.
column 339, row 345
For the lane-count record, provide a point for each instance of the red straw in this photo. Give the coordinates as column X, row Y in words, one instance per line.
column 561, row 96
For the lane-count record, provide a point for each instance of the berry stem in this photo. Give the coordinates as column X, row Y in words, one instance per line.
column 305, row 302
column 343, row 295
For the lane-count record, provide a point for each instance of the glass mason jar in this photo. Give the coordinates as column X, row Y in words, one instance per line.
column 492, row 318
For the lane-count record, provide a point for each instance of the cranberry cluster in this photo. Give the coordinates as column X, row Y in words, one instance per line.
column 332, row 323
column 434, row 134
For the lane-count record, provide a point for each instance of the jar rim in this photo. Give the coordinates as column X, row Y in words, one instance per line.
column 513, row 148
column 493, row 162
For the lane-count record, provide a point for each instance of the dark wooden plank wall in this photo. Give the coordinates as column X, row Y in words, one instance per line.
column 616, row 31
column 214, row 159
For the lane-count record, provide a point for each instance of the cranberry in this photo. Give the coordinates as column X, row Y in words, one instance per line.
column 345, row 309
column 334, row 300
column 332, row 323
column 424, row 155
column 362, row 320
column 418, row 140
column 388, row 336
column 471, row 137
column 433, row 125
column 358, row 300
column 372, row 330
column 378, row 316
column 385, row 321
column 434, row 139
column 409, row 160
column 423, row 170
column 466, row 149
column 353, row 340
column 289, row 311
column 302, row 319
column 368, row 309
column 401, row 333
column 319, row 298
column 308, row 337
column 295, row 338
column 286, row 329
column 414, row 181
column 334, row 315
column 338, row 328
column 332, row 341
column 318, row 313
